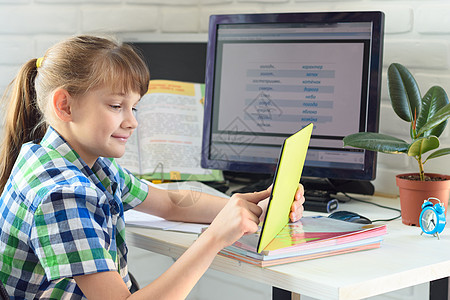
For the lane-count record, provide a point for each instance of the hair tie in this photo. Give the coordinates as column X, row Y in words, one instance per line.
column 39, row 62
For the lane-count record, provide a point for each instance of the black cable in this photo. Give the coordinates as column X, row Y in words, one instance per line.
column 369, row 202
column 376, row 204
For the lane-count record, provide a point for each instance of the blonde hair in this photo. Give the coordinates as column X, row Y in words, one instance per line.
column 78, row 65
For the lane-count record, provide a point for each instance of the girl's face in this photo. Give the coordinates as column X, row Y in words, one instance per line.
column 102, row 122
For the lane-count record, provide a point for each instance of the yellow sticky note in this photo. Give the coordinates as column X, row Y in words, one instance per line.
column 174, row 175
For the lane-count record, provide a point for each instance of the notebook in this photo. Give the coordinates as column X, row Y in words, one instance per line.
column 285, row 184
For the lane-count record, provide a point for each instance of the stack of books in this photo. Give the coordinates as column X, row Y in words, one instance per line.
column 308, row 238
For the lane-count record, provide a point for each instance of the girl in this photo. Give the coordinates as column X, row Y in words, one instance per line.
column 63, row 199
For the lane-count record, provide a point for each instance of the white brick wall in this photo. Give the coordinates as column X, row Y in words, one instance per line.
column 37, row 19
column 118, row 18
column 417, row 35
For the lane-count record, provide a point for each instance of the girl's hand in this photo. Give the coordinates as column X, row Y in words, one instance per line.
column 296, row 207
column 239, row 216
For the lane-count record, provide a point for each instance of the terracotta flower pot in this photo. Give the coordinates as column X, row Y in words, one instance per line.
column 414, row 192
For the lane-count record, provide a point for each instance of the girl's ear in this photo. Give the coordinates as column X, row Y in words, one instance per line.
column 61, row 104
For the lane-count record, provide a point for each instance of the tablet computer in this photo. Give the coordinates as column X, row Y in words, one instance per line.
column 285, row 184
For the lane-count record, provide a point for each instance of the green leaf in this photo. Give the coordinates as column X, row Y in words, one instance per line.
column 434, row 99
column 423, row 145
column 441, row 115
column 440, row 152
column 376, row 142
column 404, row 92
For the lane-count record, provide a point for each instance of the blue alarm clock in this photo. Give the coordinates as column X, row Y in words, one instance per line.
column 432, row 218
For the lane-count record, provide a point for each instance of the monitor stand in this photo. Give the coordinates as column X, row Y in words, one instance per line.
column 319, row 192
column 335, row 186
column 249, row 182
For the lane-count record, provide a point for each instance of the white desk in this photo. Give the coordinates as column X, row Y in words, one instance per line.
column 405, row 259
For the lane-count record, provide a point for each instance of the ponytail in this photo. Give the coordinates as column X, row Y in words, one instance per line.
column 23, row 122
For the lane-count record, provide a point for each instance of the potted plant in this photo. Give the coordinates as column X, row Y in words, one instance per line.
column 427, row 116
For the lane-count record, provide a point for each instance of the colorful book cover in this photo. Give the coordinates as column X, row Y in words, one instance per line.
column 312, row 233
column 305, row 252
column 300, row 257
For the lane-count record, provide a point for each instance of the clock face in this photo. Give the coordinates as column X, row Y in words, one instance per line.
column 429, row 220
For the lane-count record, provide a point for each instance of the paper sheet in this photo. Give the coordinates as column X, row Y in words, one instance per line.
column 140, row 219
column 137, row 218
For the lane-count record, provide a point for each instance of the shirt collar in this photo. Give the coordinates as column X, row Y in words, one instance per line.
column 99, row 173
column 53, row 140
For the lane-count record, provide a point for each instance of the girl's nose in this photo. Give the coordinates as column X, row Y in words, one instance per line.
column 130, row 120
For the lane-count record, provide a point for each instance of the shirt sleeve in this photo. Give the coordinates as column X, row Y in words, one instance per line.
column 70, row 233
column 134, row 190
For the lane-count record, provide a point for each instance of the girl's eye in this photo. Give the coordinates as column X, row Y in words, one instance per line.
column 115, row 107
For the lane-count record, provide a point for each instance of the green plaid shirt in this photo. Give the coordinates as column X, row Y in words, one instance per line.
column 59, row 219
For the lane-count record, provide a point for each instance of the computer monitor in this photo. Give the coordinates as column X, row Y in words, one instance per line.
column 179, row 57
column 269, row 75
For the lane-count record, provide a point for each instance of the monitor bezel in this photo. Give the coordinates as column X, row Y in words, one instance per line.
column 373, row 89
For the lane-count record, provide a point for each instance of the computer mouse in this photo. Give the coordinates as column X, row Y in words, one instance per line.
column 349, row 217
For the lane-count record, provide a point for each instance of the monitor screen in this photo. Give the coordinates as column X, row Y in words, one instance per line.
column 269, row 75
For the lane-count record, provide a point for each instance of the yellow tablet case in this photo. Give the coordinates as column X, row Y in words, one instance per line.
column 285, row 183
